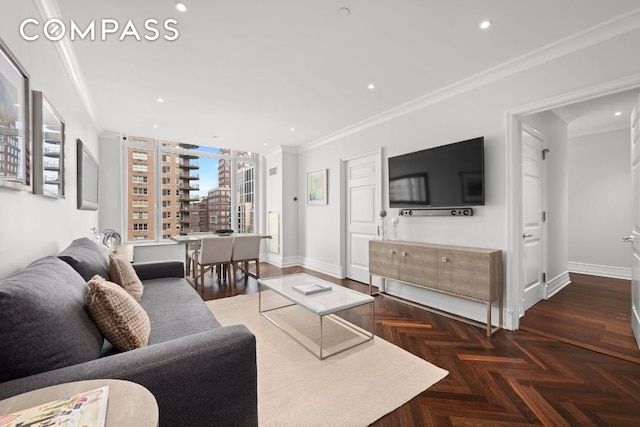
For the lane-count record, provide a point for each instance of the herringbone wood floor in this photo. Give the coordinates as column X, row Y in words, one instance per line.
column 513, row 379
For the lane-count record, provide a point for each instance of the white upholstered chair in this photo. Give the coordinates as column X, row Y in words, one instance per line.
column 213, row 252
column 193, row 248
column 246, row 249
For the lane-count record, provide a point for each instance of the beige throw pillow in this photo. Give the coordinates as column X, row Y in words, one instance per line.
column 122, row 273
column 121, row 320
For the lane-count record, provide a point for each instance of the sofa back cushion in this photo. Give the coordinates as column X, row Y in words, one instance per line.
column 86, row 258
column 44, row 324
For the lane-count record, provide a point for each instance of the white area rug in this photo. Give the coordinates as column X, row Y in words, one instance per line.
column 295, row 388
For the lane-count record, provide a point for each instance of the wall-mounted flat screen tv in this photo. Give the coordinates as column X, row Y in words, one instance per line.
column 446, row 176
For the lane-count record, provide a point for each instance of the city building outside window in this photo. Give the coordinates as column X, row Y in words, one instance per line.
column 193, row 185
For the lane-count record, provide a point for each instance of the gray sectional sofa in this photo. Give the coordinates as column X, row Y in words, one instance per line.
column 201, row 373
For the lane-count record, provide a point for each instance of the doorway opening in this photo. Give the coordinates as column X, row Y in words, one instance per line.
column 515, row 273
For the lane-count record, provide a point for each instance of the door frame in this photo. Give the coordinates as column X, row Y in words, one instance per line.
column 514, row 292
column 344, row 194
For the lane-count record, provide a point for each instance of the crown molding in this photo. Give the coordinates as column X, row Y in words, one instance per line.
column 597, row 34
column 48, row 9
column 593, row 130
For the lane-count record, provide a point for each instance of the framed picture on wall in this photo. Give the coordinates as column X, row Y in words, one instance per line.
column 88, row 173
column 15, row 148
column 48, row 148
column 317, row 187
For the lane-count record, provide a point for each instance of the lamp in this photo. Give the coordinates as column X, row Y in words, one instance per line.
column 110, row 238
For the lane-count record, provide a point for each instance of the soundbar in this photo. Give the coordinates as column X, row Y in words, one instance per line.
column 437, row 212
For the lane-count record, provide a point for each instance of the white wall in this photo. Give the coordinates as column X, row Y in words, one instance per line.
column 33, row 226
column 469, row 112
column 599, row 203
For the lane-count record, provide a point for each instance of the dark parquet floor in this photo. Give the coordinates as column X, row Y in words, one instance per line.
column 512, row 379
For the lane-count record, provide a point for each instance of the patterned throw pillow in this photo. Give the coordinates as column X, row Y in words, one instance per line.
column 122, row 273
column 121, row 320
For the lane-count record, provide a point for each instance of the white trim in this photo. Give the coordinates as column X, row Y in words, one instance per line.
column 556, row 284
column 48, row 9
column 600, row 270
column 593, row 130
column 323, row 267
column 602, row 32
column 513, row 306
column 631, row 81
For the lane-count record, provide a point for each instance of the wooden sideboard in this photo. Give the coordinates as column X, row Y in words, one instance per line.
column 470, row 273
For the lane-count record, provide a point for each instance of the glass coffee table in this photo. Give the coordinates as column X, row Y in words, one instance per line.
column 305, row 308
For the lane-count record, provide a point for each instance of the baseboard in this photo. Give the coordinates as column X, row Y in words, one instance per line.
column 600, row 270
column 323, row 267
column 283, row 262
column 556, row 284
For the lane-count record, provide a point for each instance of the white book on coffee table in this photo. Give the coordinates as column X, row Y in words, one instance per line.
column 311, row 288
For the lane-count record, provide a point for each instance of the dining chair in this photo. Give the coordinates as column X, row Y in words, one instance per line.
column 193, row 248
column 246, row 249
column 214, row 252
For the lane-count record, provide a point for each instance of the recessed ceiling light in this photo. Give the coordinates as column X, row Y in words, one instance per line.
column 155, row 126
column 344, row 11
column 371, row 86
column 485, row 24
column 265, row 144
column 181, row 6
column 618, row 113
column 293, row 129
column 160, row 100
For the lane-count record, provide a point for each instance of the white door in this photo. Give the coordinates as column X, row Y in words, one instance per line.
column 532, row 216
column 363, row 202
column 635, row 216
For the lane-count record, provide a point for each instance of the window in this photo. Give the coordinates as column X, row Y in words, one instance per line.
column 192, row 187
column 139, row 155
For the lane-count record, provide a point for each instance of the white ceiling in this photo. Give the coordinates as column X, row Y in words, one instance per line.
column 244, row 72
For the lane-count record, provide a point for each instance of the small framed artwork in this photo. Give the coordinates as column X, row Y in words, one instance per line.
column 15, row 147
column 48, row 148
column 87, row 178
column 317, row 187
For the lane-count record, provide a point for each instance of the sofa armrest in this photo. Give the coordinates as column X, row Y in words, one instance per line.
column 204, row 379
column 158, row 270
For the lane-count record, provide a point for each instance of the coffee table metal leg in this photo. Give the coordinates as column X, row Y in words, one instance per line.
column 321, row 336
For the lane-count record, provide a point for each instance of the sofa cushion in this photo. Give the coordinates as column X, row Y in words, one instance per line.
column 44, row 323
column 175, row 309
column 86, row 258
column 122, row 273
column 119, row 317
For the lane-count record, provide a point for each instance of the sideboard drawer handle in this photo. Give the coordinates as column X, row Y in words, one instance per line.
column 444, row 259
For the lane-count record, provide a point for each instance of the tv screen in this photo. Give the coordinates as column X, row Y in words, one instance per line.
column 445, row 176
